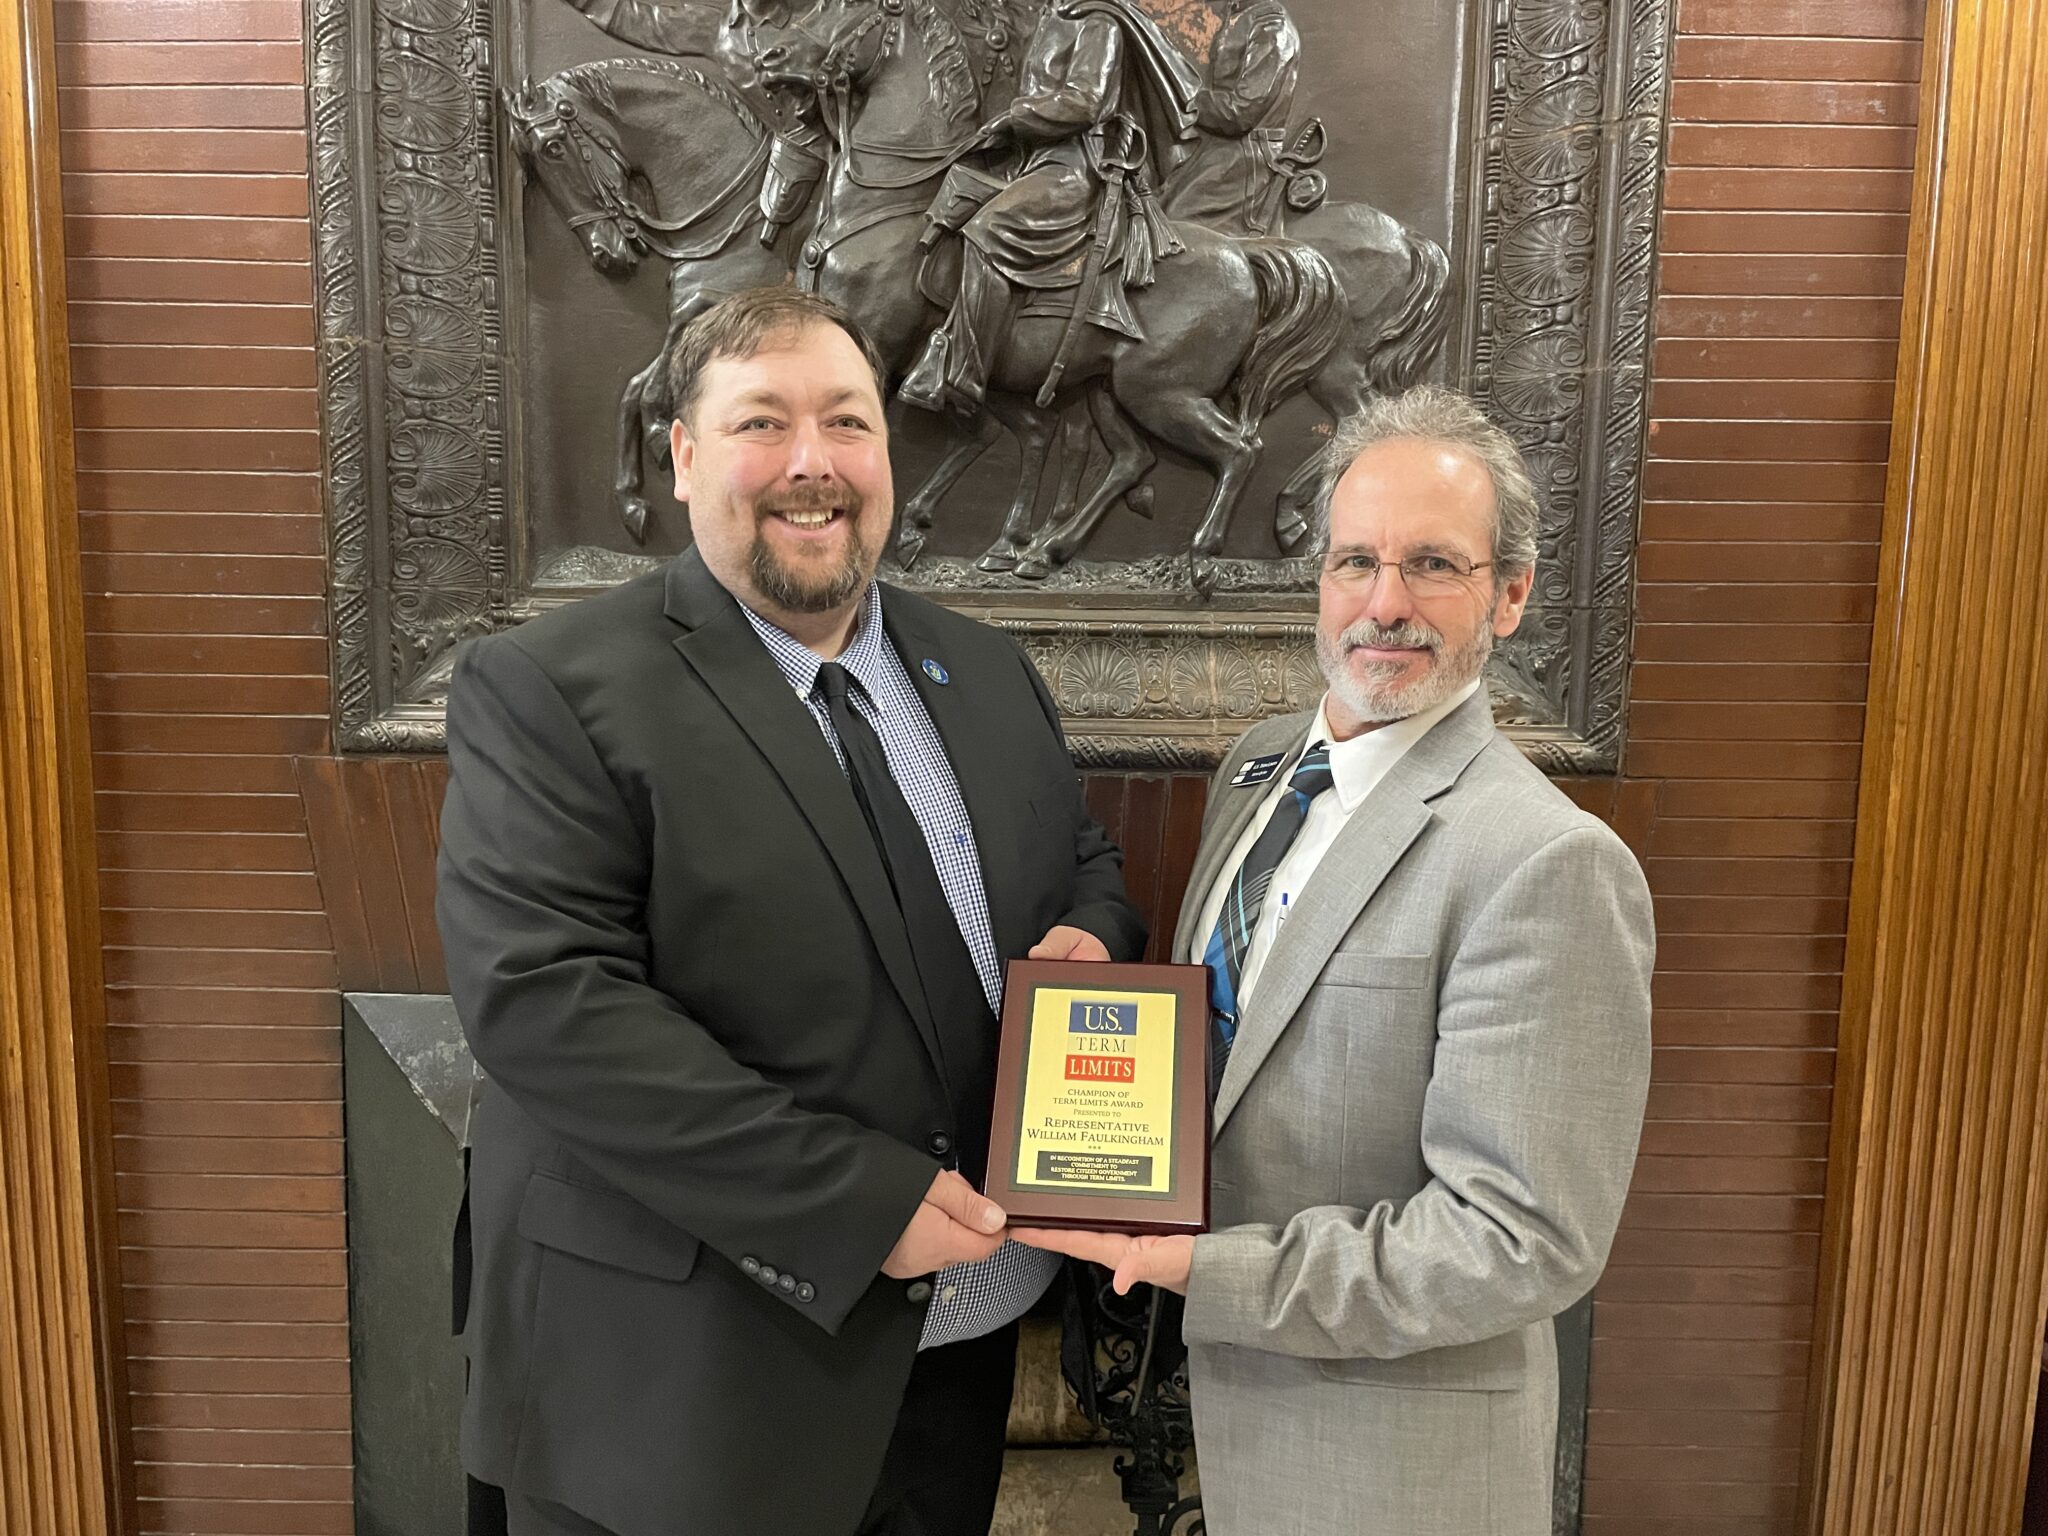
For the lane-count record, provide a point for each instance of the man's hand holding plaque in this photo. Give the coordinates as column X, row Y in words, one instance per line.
column 1101, row 1106
column 952, row 1225
column 1066, row 943
column 1146, row 1259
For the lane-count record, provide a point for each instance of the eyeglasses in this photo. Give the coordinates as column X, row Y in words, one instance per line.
column 1423, row 574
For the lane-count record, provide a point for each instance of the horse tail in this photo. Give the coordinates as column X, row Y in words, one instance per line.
column 1406, row 344
column 1301, row 318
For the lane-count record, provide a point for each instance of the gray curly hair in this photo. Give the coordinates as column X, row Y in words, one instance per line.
column 1440, row 415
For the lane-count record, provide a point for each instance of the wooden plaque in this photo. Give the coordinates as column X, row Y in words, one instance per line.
column 1102, row 1097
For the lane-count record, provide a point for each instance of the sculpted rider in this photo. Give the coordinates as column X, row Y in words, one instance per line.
column 1102, row 97
column 1234, row 179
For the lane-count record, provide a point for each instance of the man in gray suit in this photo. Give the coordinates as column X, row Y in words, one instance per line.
column 1431, row 981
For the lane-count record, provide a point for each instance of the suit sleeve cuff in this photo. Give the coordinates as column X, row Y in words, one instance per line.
column 1226, row 1267
column 898, row 1187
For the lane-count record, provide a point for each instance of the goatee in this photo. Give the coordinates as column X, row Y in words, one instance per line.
column 1378, row 696
column 796, row 589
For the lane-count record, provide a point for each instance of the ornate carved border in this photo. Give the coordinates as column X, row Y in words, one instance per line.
column 1560, row 277
column 406, row 230
column 1558, row 264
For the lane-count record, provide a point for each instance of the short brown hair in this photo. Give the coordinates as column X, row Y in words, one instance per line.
column 739, row 326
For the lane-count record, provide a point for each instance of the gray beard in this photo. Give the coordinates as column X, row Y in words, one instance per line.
column 1375, row 700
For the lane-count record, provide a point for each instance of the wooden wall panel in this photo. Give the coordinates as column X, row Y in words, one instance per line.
column 1780, row 278
column 184, row 184
column 375, row 825
column 1933, row 1287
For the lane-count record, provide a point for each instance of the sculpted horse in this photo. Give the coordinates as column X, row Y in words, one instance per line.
column 649, row 157
column 615, row 146
column 1231, row 327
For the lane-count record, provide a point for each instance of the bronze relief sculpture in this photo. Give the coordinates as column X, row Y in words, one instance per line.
column 1011, row 261
column 1126, row 258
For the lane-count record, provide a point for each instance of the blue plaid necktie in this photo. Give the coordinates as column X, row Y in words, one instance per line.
column 1239, row 919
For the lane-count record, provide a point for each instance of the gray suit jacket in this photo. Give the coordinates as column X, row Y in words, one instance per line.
column 1422, row 1144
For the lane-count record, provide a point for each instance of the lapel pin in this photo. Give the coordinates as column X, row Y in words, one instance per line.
column 935, row 672
column 1257, row 770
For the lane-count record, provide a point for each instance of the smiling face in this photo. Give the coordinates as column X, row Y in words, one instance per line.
column 1386, row 650
column 784, row 462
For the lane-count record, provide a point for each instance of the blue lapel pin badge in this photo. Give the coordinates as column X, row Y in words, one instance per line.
column 936, row 673
column 1257, row 770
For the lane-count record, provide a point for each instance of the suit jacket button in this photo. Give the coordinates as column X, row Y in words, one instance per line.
column 787, row 1283
column 806, row 1291
column 768, row 1274
column 919, row 1290
column 938, row 1143
column 750, row 1265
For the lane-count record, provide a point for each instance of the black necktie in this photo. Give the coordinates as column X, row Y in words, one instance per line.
column 952, row 988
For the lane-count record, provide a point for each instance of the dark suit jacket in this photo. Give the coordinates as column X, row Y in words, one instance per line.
column 712, row 1080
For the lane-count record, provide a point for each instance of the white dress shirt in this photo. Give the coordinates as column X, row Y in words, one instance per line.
column 1356, row 767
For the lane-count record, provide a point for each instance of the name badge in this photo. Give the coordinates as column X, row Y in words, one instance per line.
column 1257, row 770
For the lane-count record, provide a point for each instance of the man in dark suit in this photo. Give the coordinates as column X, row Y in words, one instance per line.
column 731, row 858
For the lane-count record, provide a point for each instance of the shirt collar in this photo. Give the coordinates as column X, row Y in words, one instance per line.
column 864, row 656
column 1357, row 765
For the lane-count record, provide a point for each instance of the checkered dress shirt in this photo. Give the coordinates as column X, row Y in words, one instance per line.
column 968, row 1300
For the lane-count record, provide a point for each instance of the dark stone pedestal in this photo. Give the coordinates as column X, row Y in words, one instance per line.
column 406, row 1074
column 1574, row 1361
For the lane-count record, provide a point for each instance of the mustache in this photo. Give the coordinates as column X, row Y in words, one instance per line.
column 1409, row 634
column 811, row 498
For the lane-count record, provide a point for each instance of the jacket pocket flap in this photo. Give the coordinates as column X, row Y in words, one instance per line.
column 1491, row 1365
column 1352, row 968
column 605, row 1227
